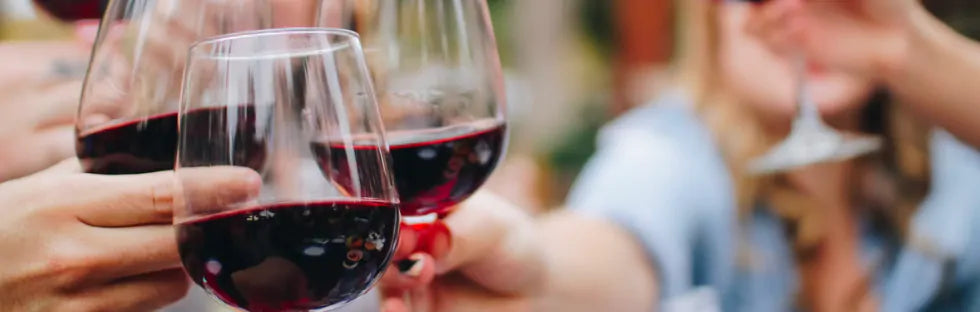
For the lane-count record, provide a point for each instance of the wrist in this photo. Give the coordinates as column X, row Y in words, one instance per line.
column 912, row 41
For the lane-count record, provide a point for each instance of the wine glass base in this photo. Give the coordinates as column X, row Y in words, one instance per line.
column 811, row 149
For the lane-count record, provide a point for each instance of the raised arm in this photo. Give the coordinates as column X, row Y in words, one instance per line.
column 931, row 68
column 937, row 75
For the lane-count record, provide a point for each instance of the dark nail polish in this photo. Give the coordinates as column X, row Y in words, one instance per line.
column 412, row 267
column 406, row 265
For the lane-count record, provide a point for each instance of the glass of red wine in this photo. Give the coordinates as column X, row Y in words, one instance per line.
column 127, row 119
column 440, row 88
column 308, row 241
column 73, row 10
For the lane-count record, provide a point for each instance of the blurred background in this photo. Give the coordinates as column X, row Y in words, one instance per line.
column 574, row 65
column 571, row 66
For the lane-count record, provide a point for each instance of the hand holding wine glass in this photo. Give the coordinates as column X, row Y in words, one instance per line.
column 440, row 88
column 80, row 242
column 312, row 240
column 840, row 33
column 924, row 63
column 497, row 263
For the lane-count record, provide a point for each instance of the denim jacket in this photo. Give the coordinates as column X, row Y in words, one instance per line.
column 659, row 175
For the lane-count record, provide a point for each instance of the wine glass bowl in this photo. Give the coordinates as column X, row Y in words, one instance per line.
column 73, row 10
column 254, row 101
column 127, row 117
column 440, row 89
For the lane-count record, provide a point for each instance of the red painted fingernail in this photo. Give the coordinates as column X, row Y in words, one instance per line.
column 434, row 239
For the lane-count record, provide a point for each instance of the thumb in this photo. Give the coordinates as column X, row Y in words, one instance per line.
column 494, row 244
column 130, row 200
column 67, row 166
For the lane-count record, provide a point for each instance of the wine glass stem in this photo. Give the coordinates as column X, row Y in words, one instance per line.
column 806, row 109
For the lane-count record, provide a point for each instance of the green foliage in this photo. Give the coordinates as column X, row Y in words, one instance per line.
column 597, row 20
column 574, row 149
column 499, row 12
column 962, row 15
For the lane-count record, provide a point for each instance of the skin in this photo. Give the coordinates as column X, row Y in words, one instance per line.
column 37, row 105
column 839, row 92
column 771, row 90
column 927, row 65
column 504, row 260
column 101, row 243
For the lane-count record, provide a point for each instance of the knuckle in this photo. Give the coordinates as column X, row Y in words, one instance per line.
column 161, row 206
column 68, row 265
column 160, row 198
column 149, row 194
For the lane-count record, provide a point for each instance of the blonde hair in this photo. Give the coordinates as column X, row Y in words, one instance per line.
column 901, row 169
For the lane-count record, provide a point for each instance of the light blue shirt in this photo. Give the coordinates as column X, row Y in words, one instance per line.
column 659, row 174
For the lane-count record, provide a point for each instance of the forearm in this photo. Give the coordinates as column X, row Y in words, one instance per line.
column 594, row 266
column 938, row 76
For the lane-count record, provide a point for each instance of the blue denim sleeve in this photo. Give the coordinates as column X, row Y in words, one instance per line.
column 940, row 269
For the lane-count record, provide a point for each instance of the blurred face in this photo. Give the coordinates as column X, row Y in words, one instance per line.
column 765, row 80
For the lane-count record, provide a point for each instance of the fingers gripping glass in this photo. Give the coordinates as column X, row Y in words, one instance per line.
column 306, row 240
column 810, row 141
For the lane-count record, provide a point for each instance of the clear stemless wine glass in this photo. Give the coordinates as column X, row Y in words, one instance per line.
column 256, row 100
column 440, row 88
column 127, row 120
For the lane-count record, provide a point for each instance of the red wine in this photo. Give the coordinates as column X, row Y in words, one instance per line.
column 150, row 144
column 433, row 170
column 133, row 147
column 73, row 10
column 226, row 136
column 290, row 257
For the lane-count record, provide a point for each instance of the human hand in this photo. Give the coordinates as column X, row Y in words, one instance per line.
column 80, row 242
column 494, row 263
column 39, row 89
column 864, row 37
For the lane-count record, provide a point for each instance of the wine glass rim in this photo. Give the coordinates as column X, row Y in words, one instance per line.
column 350, row 36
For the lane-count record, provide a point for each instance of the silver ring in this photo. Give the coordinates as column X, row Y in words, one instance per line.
column 64, row 69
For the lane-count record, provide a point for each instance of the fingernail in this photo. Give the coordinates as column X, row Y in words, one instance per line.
column 434, row 239
column 412, row 266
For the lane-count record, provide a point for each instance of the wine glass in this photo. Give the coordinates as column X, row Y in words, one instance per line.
column 73, row 10
column 127, row 119
column 256, row 100
column 810, row 141
column 440, row 89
